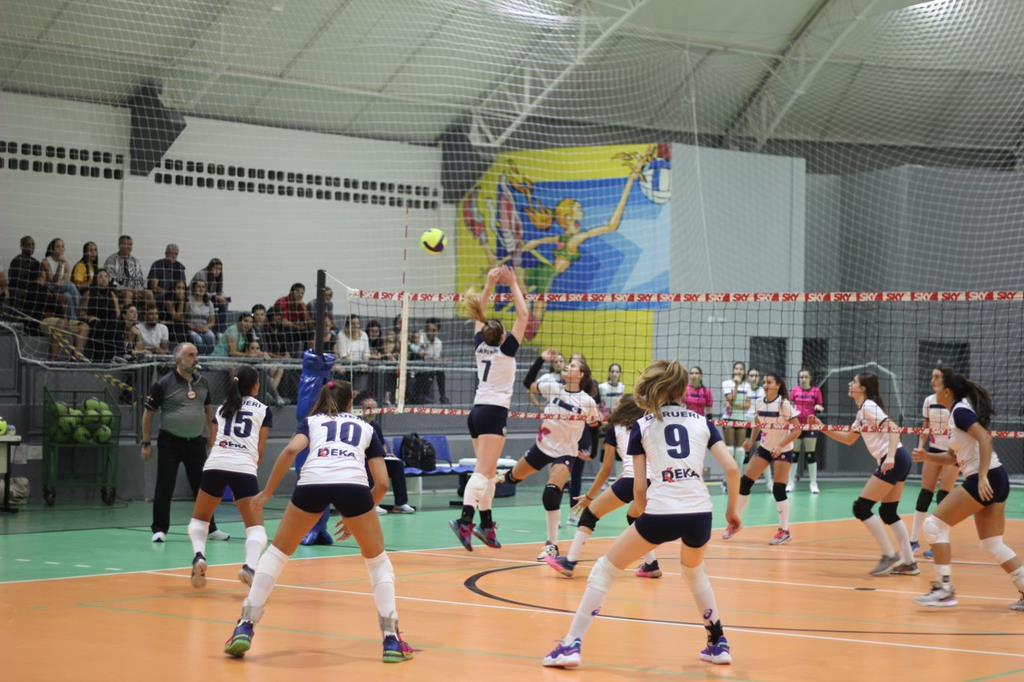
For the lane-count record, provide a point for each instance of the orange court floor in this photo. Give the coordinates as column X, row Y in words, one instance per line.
column 807, row 610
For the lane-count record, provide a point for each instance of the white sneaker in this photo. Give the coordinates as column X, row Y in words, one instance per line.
column 402, row 509
column 573, row 520
column 381, row 510
column 550, row 549
column 790, row 487
column 815, row 490
column 219, row 535
column 159, row 536
column 939, row 597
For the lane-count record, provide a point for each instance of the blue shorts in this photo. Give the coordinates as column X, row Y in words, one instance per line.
column 767, row 455
column 623, row 488
column 242, row 486
column 693, row 529
column 997, row 478
column 899, row 472
column 539, row 459
column 489, row 420
column 350, row 499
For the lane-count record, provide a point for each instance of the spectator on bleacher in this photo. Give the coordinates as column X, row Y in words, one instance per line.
column 234, row 341
column 328, row 313
column 430, row 351
column 154, row 337
column 25, row 279
column 131, row 337
column 84, row 272
column 100, row 313
column 175, row 313
column 353, row 343
column 57, row 275
column 613, row 389
column 277, row 339
column 126, row 274
column 396, row 467
column 213, row 275
column 375, row 337
column 200, row 318
column 295, row 318
column 165, row 272
column 5, row 292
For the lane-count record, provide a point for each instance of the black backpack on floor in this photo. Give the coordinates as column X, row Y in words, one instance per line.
column 418, row 453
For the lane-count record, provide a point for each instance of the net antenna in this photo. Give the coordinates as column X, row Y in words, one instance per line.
column 878, row 369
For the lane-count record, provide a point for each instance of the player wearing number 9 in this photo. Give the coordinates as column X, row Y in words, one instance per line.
column 669, row 443
column 340, row 447
column 238, row 436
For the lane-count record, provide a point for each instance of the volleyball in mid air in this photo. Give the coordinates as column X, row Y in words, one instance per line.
column 434, row 241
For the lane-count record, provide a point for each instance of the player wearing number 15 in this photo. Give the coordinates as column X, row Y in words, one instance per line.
column 340, row 447
column 238, row 436
column 669, row 443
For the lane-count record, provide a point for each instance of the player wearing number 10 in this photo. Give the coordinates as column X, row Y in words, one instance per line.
column 669, row 443
column 340, row 446
column 238, row 436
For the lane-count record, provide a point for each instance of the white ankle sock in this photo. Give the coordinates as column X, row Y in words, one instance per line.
column 382, row 578
column 899, row 529
column 783, row 507
column 877, row 529
column 554, row 516
column 650, row 557
column 576, row 549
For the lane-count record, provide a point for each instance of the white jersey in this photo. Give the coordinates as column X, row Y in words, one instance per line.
column 560, row 437
column 675, row 449
column 496, row 371
column 338, row 449
column 743, row 391
column 755, row 394
column 770, row 417
column 237, row 445
column 968, row 451
column 871, row 416
column 618, row 438
column 936, row 419
column 611, row 395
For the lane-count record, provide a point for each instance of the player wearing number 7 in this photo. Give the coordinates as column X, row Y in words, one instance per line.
column 340, row 446
column 238, row 436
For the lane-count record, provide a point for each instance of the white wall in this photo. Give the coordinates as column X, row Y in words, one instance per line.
column 738, row 226
column 266, row 242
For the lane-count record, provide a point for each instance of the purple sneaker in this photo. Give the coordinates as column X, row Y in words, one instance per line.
column 464, row 532
column 240, row 640
column 564, row 656
column 488, row 536
column 561, row 565
column 717, row 653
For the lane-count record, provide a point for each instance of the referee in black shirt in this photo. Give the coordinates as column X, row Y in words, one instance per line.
column 184, row 397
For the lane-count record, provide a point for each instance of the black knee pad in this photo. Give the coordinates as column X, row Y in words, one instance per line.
column 509, row 478
column 746, row 484
column 862, row 509
column 811, row 457
column 889, row 511
column 630, row 520
column 924, row 500
column 552, row 497
column 588, row 520
column 779, row 491
column 940, row 496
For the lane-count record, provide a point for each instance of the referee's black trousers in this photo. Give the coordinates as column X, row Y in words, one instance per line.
column 170, row 452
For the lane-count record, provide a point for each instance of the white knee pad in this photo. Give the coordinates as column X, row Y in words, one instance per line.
column 602, row 575
column 936, row 530
column 380, row 569
column 697, row 579
column 997, row 549
column 476, row 489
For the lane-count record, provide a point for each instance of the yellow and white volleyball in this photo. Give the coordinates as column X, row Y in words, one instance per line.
column 656, row 181
column 434, row 241
column 3, row 426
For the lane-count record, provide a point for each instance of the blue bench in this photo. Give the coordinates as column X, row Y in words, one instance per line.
column 444, row 458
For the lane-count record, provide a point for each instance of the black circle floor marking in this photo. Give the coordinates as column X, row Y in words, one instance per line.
column 472, row 584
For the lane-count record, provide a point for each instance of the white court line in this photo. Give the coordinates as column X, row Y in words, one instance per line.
column 535, row 610
column 821, row 586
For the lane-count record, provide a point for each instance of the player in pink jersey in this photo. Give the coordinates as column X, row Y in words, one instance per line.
column 809, row 400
